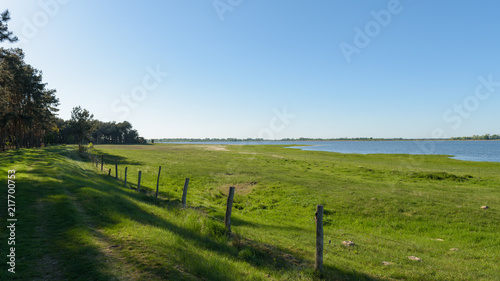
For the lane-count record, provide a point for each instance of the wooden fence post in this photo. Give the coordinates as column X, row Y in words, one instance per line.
column 158, row 181
column 318, row 262
column 139, row 182
column 126, row 176
column 102, row 162
column 116, row 169
column 184, row 192
column 96, row 161
column 109, row 172
column 227, row 218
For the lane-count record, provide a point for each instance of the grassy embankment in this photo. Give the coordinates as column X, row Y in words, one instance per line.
column 76, row 223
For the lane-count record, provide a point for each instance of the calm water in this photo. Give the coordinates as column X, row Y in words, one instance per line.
column 462, row 150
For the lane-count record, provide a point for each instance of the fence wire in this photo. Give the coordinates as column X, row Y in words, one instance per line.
column 330, row 248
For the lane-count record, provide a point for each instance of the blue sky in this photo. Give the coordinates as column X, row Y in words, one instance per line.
column 271, row 69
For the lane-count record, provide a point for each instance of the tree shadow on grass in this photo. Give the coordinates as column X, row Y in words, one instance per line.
column 49, row 244
column 103, row 202
column 260, row 255
column 285, row 259
column 109, row 159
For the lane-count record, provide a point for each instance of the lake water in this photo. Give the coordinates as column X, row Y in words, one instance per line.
column 462, row 150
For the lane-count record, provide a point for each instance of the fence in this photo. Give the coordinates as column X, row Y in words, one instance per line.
column 380, row 247
column 367, row 240
column 98, row 160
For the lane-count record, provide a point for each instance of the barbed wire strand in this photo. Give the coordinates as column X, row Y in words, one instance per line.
column 329, row 248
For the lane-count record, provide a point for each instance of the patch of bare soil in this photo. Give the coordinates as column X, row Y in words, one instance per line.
column 239, row 188
column 214, row 147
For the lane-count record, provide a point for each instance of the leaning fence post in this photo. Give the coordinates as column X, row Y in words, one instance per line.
column 109, row 172
column 184, row 192
column 227, row 218
column 139, row 182
column 126, row 176
column 158, row 182
column 318, row 264
column 116, row 169
column 102, row 162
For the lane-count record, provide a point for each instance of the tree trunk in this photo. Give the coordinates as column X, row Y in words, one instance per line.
column 17, row 136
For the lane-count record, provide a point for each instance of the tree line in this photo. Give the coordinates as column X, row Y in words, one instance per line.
column 478, row 137
column 97, row 132
column 475, row 137
column 28, row 108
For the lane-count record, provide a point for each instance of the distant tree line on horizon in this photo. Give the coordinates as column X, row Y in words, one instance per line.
column 475, row 137
column 261, row 139
column 28, row 109
column 203, row 139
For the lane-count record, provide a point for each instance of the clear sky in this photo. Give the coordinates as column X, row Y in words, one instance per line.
column 271, row 69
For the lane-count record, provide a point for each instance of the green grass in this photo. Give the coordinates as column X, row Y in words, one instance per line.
column 76, row 223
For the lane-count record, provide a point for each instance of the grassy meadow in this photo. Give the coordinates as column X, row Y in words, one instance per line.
column 77, row 223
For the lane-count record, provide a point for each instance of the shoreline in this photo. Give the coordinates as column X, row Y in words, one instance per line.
column 316, row 140
column 453, row 150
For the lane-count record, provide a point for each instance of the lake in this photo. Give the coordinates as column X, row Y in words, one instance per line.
column 462, row 150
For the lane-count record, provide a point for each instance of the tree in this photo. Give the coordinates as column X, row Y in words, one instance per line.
column 83, row 124
column 27, row 108
column 5, row 34
column 117, row 133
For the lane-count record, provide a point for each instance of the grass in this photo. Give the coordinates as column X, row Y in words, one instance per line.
column 76, row 223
